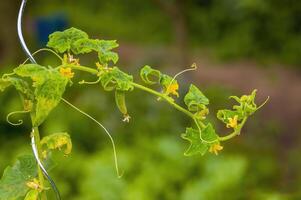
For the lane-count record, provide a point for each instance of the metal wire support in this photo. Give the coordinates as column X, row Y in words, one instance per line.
column 33, row 144
column 20, row 33
column 36, row 155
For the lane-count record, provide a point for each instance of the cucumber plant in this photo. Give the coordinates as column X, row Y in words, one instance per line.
column 41, row 89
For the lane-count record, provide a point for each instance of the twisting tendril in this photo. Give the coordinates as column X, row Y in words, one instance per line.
column 20, row 121
column 106, row 131
column 89, row 82
column 41, row 50
column 193, row 67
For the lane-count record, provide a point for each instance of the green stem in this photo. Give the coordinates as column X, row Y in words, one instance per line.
column 165, row 97
column 81, row 68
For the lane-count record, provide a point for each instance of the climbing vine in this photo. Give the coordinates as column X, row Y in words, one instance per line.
column 42, row 87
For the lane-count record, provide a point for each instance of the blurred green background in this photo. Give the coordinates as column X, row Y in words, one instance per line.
column 238, row 45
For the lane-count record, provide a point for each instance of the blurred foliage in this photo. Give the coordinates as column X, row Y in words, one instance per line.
column 233, row 29
column 249, row 28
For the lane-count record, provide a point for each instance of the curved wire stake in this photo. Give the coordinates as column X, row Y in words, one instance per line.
column 33, row 144
column 36, row 155
column 20, row 33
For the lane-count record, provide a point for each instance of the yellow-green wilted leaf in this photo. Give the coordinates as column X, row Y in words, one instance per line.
column 195, row 99
column 57, row 141
column 48, row 95
column 49, row 87
column 196, row 145
column 13, row 182
column 4, row 84
column 65, row 41
column 150, row 75
column 32, row 195
column 19, row 84
column 114, row 78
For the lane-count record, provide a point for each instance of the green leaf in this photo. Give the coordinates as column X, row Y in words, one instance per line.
column 66, row 41
column 195, row 99
column 208, row 133
column 57, row 141
column 13, row 182
column 102, row 47
column 196, row 145
column 150, row 75
column 113, row 78
column 32, row 195
column 49, row 87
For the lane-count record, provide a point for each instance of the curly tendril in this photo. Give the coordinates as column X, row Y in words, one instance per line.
column 89, row 82
column 20, row 121
column 193, row 67
column 41, row 50
column 119, row 175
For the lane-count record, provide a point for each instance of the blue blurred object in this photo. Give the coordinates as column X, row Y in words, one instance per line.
column 49, row 24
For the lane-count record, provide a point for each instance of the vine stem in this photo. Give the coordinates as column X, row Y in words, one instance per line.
column 141, row 87
column 169, row 100
column 149, row 90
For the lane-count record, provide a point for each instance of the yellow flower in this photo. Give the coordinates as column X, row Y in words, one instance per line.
column 215, row 148
column 67, row 72
column 172, row 89
column 232, row 122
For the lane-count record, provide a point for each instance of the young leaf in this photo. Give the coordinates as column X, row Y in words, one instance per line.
column 65, row 41
column 57, row 141
column 195, row 99
column 247, row 104
column 150, row 75
column 114, row 78
column 13, row 183
column 196, row 145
